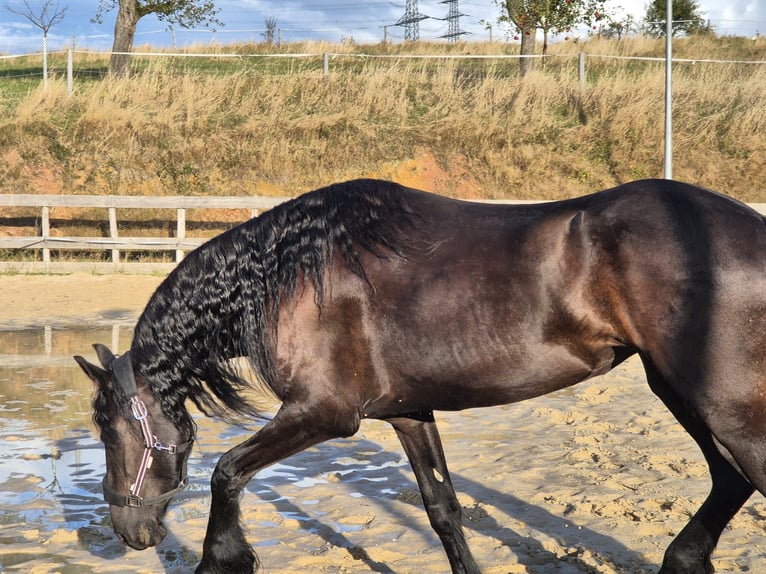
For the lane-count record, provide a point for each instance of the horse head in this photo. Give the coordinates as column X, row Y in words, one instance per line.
column 146, row 451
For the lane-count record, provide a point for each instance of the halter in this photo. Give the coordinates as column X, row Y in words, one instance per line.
column 122, row 369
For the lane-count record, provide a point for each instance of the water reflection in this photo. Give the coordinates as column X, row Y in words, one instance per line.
column 50, row 460
column 52, row 463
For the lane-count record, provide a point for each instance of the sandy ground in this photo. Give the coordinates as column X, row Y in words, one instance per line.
column 32, row 298
column 595, row 479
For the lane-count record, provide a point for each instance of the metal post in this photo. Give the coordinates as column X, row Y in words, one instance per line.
column 326, row 64
column 669, row 91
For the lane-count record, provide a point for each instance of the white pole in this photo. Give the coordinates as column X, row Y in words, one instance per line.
column 669, row 90
column 45, row 60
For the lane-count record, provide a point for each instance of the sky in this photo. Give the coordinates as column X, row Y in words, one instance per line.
column 364, row 21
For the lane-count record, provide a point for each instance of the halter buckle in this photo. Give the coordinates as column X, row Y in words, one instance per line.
column 138, row 408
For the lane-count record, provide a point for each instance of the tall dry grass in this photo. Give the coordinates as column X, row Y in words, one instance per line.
column 462, row 127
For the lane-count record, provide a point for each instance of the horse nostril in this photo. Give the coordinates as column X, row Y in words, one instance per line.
column 149, row 534
column 145, row 535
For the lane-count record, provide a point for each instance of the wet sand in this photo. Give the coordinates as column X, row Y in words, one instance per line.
column 593, row 479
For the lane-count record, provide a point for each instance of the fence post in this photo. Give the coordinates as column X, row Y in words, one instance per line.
column 45, row 232
column 326, row 64
column 581, row 71
column 180, row 232
column 69, row 72
column 113, row 234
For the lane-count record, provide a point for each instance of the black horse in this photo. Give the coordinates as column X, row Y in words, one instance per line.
column 370, row 300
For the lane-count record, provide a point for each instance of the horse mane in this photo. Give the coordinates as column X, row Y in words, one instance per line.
column 223, row 300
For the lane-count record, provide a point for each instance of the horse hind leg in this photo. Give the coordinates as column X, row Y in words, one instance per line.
column 690, row 551
column 420, row 439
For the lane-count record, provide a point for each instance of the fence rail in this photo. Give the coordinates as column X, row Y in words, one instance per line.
column 326, row 57
column 45, row 242
column 180, row 243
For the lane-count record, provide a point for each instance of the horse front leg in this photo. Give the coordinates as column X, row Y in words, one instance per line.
column 225, row 550
column 420, row 439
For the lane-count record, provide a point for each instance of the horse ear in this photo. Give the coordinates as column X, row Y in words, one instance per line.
column 94, row 372
column 104, row 355
column 98, row 375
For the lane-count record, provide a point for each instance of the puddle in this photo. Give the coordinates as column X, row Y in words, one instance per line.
column 52, row 463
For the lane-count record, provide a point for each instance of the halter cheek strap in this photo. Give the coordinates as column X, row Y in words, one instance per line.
column 111, row 496
column 122, row 369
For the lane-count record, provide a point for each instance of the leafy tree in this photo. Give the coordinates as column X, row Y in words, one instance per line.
column 686, row 18
column 618, row 28
column 550, row 16
column 184, row 13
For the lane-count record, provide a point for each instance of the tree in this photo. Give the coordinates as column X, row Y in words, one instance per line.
column 271, row 30
column 184, row 13
column 48, row 15
column 550, row 16
column 617, row 29
column 686, row 18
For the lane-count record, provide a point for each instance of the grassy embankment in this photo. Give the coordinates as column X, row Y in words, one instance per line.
column 468, row 128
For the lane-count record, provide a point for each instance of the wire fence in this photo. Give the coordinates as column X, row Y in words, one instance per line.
column 86, row 63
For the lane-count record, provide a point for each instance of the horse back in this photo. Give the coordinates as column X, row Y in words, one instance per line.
column 496, row 303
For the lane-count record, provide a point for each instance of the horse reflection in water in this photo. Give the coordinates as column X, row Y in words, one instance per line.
column 366, row 299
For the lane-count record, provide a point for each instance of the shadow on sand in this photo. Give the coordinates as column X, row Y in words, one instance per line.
column 364, row 475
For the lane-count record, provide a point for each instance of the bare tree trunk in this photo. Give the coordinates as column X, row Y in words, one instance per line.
column 527, row 64
column 124, row 31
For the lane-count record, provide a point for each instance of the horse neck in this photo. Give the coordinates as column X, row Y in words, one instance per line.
column 183, row 330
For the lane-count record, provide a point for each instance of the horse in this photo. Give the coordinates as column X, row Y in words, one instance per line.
column 370, row 300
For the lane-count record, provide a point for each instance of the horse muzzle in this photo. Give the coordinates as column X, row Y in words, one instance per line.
column 143, row 535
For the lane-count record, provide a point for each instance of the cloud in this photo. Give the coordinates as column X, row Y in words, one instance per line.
column 735, row 17
column 20, row 37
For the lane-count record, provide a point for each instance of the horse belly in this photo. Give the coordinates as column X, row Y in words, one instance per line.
column 495, row 380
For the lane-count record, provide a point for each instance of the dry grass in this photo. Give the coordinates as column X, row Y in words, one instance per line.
column 463, row 127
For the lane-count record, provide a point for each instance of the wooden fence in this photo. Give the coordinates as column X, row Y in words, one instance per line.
column 46, row 242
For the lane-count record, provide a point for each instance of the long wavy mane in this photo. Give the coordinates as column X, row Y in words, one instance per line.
column 223, row 300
